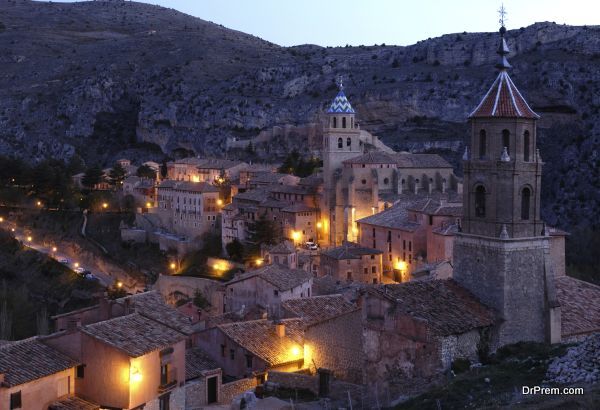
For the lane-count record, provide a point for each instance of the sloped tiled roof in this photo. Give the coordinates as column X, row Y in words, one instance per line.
column 260, row 338
column 431, row 206
column 579, row 304
column 503, row 100
column 134, row 334
column 349, row 250
column 444, row 305
column 188, row 186
column 30, row 359
column 409, row 160
column 395, row 217
column 298, row 207
column 73, row 403
column 196, row 362
column 318, row 308
column 340, row 104
column 285, row 247
column 152, row 305
column 447, row 230
column 373, row 157
column 280, row 276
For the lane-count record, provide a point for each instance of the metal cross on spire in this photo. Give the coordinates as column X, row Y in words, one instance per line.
column 502, row 14
column 341, row 83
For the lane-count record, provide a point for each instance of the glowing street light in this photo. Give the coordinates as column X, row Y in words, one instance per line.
column 1, row 219
column 259, row 262
column 296, row 236
column 29, row 239
column 76, row 264
column 119, row 284
column 219, row 202
column 104, row 205
column 173, row 265
column 319, row 225
column 148, row 205
column 54, row 249
column 39, row 203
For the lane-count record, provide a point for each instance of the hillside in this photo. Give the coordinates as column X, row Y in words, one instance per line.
column 111, row 79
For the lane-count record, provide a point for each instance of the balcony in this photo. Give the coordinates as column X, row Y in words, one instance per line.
column 168, row 379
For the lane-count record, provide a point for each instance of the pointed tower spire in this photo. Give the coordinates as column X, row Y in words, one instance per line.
column 503, row 50
column 503, row 99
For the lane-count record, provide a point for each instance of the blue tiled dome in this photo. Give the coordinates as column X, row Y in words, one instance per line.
column 341, row 104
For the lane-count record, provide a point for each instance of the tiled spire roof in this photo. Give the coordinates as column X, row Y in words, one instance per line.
column 503, row 100
column 340, row 103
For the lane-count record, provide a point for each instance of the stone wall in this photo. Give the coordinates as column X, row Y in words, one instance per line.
column 295, row 380
column 173, row 288
column 195, row 390
column 459, row 346
column 230, row 390
column 336, row 344
column 177, row 401
column 509, row 276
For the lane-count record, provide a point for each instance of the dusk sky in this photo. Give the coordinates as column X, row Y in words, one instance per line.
column 400, row 22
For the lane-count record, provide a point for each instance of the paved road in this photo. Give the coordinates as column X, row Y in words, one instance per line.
column 23, row 236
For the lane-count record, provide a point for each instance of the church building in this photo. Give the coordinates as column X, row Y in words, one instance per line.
column 502, row 249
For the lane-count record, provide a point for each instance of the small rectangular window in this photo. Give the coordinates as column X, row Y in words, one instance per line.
column 80, row 371
column 15, row 400
column 222, row 350
column 232, row 354
column 249, row 361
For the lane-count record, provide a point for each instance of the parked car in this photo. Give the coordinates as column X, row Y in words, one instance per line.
column 91, row 276
column 313, row 247
column 64, row 261
column 308, row 244
column 79, row 269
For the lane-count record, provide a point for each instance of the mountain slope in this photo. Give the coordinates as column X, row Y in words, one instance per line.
column 106, row 79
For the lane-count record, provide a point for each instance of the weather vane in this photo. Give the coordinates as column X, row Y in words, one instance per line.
column 502, row 14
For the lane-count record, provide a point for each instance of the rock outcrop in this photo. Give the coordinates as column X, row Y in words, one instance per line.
column 107, row 79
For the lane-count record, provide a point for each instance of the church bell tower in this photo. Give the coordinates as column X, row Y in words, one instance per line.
column 341, row 141
column 502, row 252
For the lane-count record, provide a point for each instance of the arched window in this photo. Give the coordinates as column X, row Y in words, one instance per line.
column 334, row 122
column 340, row 143
column 386, row 181
column 506, row 140
column 480, row 201
column 343, row 122
column 525, row 203
column 526, row 146
column 482, row 144
column 348, row 141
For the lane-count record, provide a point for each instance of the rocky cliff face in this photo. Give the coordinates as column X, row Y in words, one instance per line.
column 106, row 79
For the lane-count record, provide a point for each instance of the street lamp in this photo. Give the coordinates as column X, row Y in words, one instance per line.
column 104, row 205
column 54, row 249
column 1, row 219
column 39, row 203
column 219, row 202
column 76, row 264
column 119, row 284
column 29, row 239
column 173, row 265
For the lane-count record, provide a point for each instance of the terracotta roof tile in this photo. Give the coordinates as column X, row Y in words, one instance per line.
column 444, row 305
column 73, row 403
column 197, row 362
column 349, row 250
column 503, row 100
column 152, row 305
column 30, row 359
column 134, row 334
column 280, row 276
column 260, row 338
column 318, row 308
column 580, row 306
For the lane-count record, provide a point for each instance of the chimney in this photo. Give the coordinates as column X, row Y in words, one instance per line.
column 280, row 328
